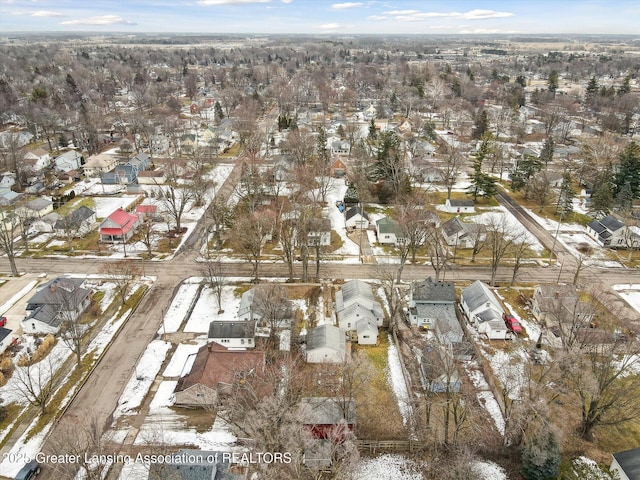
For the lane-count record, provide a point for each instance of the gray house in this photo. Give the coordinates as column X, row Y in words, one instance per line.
column 56, row 301
column 432, row 306
column 326, row 344
column 232, row 334
column 77, row 224
column 462, row 234
column 355, row 302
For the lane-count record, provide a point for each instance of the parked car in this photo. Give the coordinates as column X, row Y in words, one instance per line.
column 3, row 321
column 512, row 323
column 29, row 471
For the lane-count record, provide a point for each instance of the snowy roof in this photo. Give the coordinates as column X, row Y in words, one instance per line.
column 327, row 336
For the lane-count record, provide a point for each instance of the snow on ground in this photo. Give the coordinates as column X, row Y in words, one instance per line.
column 485, row 396
column 105, row 206
column 630, row 293
column 509, row 370
column 532, row 329
column 12, row 301
column 182, row 359
column 397, row 383
column 389, row 467
column 205, row 310
column 500, row 214
column 586, row 466
column 164, row 425
column 144, row 373
column 23, row 449
column 489, row 471
column 335, row 194
column 177, row 311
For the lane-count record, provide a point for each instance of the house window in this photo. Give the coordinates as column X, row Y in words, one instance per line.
column 242, row 341
column 250, row 341
column 365, row 336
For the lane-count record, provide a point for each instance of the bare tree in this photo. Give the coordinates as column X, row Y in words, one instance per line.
column 123, row 274
column 453, row 163
column 175, row 200
column 520, row 249
column 9, row 226
column 251, row 231
column 438, row 253
column 271, row 303
column 215, row 275
column 70, row 299
column 37, row 382
column 499, row 240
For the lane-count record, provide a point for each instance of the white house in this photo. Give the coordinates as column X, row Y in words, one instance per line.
column 355, row 301
column 37, row 159
column 356, row 217
column 611, row 232
column 326, row 344
column 389, row 232
column 99, row 164
column 483, row 310
column 461, row 234
column 459, row 206
column 367, row 331
column 67, row 161
column 231, row 334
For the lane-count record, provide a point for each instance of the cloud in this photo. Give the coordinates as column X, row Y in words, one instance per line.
column 342, row 6
column 286, row 1
column 477, row 14
column 329, row 26
column 377, row 17
column 46, row 13
column 231, row 2
column 101, row 20
column 486, row 31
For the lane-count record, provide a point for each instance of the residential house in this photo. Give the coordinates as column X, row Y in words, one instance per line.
column 152, row 177
column 355, row 301
column 328, row 417
column 6, row 339
column 319, row 232
column 247, row 310
column 145, row 212
column 338, row 168
column 159, row 144
column 97, row 165
column 459, row 206
column 44, row 224
column 611, row 232
column 128, row 172
column 484, row 311
column 7, row 180
column 118, row 227
column 356, row 217
column 432, row 306
column 233, row 335
column 8, row 197
column 214, row 371
column 187, row 143
column 19, row 139
column 67, row 161
column 367, row 331
column 36, row 160
column 389, row 231
column 200, row 465
column 77, row 224
column 58, row 300
column 626, row 464
column 36, row 208
column 326, row 344
column 552, row 304
column 339, row 147
column 461, row 234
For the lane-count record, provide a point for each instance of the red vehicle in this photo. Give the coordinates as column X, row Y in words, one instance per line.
column 3, row 321
column 512, row 323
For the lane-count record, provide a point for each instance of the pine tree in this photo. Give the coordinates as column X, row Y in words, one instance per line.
column 482, row 184
column 525, row 169
column 546, row 154
column 566, row 195
column 481, row 126
column 541, row 455
column 629, row 169
column 592, row 88
column 553, row 81
column 602, row 195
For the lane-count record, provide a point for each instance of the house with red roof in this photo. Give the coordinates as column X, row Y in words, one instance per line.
column 118, row 227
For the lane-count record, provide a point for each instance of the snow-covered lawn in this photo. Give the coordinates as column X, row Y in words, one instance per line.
column 144, row 374
column 388, row 467
column 398, row 384
column 532, row 329
column 206, row 309
column 336, row 193
column 511, row 224
column 105, row 206
column 182, row 359
column 177, row 311
column 630, row 293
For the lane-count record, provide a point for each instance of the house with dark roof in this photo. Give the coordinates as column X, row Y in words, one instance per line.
column 432, row 306
column 356, row 217
column 611, row 232
column 214, row 371
column 198, row 465
column 552, row 304
column 326, row 344
column 484, row 311
column 118, row 227
column 56, row 301
column 77, row 224
column 452, row 205
column 626, row 464
column 6, row 338
column 461, row 234
column 232, row 334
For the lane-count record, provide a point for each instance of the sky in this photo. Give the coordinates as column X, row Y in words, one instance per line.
column 323, row 16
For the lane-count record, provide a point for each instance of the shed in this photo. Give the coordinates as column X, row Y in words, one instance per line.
column 367, row 331
column 327, row 417
column 326, row 344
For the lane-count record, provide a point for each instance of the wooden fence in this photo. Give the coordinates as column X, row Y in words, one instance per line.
column 374, row 446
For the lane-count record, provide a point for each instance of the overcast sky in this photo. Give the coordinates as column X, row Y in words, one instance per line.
column 322, row 16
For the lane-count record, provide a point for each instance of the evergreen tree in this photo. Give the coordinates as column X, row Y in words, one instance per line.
column 525, row 169
column 481, row 125
column 624, row 199
column 546, row 154
column 482, row 184
column 566, row 195
column 321, row 147
column 521, row 80
column 602, row 195
column 629, row 170
column 625, row 87
column 541, row 455
column 373, row 133
column 553, row 81
column 592, row 88
column 218, row 113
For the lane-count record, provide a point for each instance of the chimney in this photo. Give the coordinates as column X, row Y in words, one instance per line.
column 52, row 287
